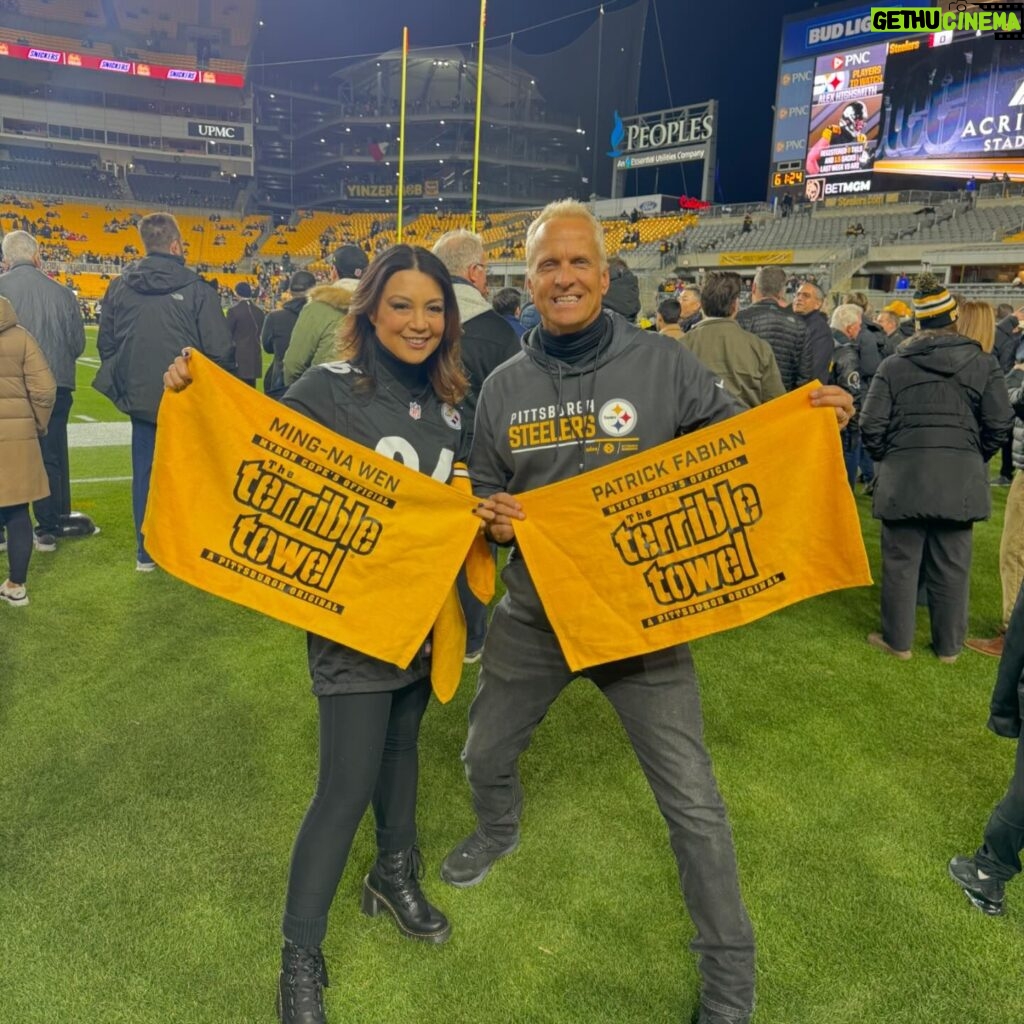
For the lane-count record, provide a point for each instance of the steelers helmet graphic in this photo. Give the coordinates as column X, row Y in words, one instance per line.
column 853, row 117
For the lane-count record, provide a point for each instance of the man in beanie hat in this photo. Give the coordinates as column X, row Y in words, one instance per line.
column 245, row 322
column 937, row 410
column 315, row 333
column 278, row 327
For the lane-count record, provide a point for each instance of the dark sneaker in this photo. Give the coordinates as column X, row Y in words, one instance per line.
column 77, row 525
column 1001, row 481
column 985, row 892
column 469, row 862
column 44, row 541
column 472, row 657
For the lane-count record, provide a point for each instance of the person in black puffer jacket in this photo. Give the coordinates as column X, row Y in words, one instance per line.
column 623, row 295
column 783, row 329
column 936, row 411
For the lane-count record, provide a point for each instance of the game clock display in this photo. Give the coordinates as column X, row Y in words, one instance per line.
column 782, row 179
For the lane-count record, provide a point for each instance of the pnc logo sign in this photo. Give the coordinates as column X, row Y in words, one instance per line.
column 851, row 60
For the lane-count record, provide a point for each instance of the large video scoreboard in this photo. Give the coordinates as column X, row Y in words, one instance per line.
column 859, row 111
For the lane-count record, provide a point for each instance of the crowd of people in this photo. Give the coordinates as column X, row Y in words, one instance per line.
column 924, row 394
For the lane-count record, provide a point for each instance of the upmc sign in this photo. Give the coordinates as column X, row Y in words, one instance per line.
column 217, row 132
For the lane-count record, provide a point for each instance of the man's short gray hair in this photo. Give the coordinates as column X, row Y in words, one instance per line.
column 845, row 315
column 771, row 282
column 459, row 250
column 560, row 209
column 19, row 247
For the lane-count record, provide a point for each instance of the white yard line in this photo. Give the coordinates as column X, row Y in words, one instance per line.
column 102, row 480
column 99, row 435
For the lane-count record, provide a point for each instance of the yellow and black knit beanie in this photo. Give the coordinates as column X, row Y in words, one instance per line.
column 933, row 305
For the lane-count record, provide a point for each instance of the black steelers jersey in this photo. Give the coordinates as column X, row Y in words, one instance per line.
column 416, row 429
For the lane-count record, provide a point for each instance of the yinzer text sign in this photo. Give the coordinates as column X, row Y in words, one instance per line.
column 253, row 502
column 710, row 531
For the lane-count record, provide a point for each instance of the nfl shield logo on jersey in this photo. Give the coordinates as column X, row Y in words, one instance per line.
column 414, row 410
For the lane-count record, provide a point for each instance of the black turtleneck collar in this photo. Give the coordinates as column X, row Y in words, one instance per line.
column 574, row 348
column 414, row 377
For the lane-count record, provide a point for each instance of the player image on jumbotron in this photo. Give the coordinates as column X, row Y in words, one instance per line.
column 843, row 145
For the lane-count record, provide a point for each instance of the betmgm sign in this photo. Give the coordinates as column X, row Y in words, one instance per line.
column 665, row 137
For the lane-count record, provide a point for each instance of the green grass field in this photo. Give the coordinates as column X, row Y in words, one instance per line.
column 158, row 750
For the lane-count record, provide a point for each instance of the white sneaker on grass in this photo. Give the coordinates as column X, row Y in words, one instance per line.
column 141, row 566
column 14, row 594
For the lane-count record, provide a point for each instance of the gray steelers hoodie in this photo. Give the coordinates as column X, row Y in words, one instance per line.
column 540, row 420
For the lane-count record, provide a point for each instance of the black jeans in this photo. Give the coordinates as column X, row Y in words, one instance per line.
column 368, row 754
column 999, row 855
column 657, row 700
column 54, row 447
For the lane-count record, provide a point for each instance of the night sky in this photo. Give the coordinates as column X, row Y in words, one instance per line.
column 726, row 50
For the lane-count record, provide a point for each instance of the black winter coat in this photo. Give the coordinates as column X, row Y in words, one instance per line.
column 1007, row 341
column 488, row 340
column 936, row 411
column 275, row 337
column 819, row 336
column 871, row 342
column 623, row 295
column 787, row 334
column 245, row 322
column 150, row 313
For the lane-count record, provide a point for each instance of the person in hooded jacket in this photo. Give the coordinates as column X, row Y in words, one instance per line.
column 154, row 309
column 277, row 330
column 315, row 336
column 935, row 413
column 27, row 395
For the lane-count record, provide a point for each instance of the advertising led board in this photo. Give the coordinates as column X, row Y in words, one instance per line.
column 92, row 62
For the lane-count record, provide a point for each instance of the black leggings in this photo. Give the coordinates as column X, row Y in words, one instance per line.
column 16, row 521
column 368, row 753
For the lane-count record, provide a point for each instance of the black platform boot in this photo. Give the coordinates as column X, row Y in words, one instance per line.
column 300, row 989
column 393, row 885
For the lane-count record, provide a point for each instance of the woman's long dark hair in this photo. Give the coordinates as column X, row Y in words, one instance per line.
column 356, row 342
